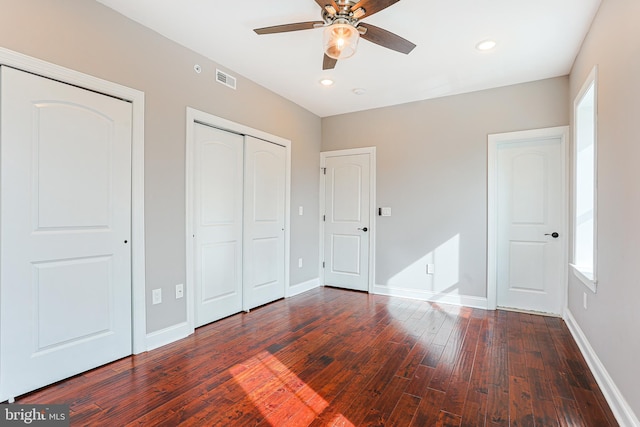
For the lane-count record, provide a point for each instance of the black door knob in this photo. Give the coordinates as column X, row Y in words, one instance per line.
column 555, row 235
column 365, row 229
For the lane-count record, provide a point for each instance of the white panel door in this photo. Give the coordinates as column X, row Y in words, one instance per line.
column 530, row 230
column 346, row 226
column 65, row 283
column 264, row 219
column 218, row 223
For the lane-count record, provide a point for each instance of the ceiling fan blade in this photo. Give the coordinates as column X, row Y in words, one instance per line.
column 386, row 39
column 373, row 6
column 328, row 63
column 289, row 27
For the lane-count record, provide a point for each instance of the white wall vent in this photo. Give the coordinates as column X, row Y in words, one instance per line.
column 225, row 79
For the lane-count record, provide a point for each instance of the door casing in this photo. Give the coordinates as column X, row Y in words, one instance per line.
column 136, row 97
column 197, row 116
column 371, row 151
column 494, row 140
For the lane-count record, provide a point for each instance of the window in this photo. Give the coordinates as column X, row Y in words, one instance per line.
column 584, row 220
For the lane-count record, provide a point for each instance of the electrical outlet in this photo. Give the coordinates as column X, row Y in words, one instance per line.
column 584, row 300
column 300, row 210
column 299, row 262
column 179, row 291
column 431, row 268
column 157, row 296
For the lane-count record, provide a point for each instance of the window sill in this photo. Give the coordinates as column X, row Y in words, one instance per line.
column 585, row 277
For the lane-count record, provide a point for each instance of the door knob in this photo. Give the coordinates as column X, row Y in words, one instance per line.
column 555, row 235
column 363, row 229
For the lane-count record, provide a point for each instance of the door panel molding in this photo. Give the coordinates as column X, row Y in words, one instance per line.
column 493, row 143
column 136, row 97
column 371, row 151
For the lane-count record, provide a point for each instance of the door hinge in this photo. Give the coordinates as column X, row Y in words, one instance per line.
column 322, row 264
column 324, row 218
column 324, row 170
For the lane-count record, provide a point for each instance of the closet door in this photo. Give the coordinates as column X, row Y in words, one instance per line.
column 65, row 204
column 218, row 223
column 264, row 219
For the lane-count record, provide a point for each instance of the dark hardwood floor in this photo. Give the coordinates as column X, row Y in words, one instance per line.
column 334, row 357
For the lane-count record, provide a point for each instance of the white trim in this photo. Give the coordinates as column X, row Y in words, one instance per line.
column 197, row 116
column 303, row 287
column 590, row 282
column 584, row 278
column 461, row 300
column 493, row 140
column 372, row 208
column 168, row 335
column 136, row 97
column 619, row 406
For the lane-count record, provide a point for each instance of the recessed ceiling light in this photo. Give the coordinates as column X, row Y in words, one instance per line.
column 486, row 45
column 326, row 82
column 359, row 91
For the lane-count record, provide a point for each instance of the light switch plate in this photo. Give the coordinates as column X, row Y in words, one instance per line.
column 386, row 211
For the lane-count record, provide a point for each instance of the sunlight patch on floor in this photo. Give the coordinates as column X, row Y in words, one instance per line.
column 279, row 394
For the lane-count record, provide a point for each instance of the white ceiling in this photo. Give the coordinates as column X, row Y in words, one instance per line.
column 537, row 39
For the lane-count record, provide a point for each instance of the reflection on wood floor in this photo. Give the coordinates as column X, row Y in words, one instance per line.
column 335, row 357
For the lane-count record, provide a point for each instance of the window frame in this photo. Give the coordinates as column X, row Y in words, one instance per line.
column 589, row 279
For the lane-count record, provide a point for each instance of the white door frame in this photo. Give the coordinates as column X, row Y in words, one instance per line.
column 136, row 97
column 197, row 116
column 494, row 140
column 372, row 207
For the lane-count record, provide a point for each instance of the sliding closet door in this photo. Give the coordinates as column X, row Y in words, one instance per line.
column 264, row 220
column 218, row 223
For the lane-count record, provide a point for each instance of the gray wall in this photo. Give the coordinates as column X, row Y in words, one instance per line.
column 88, row 37
column 432, row 172
column 612, row 320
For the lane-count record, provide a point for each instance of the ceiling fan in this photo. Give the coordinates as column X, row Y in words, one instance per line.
column 343, row 28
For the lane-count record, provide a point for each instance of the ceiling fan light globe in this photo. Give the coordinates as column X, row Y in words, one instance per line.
column 340, row 41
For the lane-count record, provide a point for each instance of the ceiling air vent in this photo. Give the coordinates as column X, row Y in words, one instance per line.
column 225, row 79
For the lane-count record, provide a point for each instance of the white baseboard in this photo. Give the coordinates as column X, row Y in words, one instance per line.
column 621, row 409
column 463, row 300
column 303, row 287
column 181, row 330
column 168, row 335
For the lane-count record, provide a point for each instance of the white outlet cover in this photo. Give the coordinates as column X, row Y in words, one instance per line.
column 300, row 210
column 386, row 211
column 156, row 296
